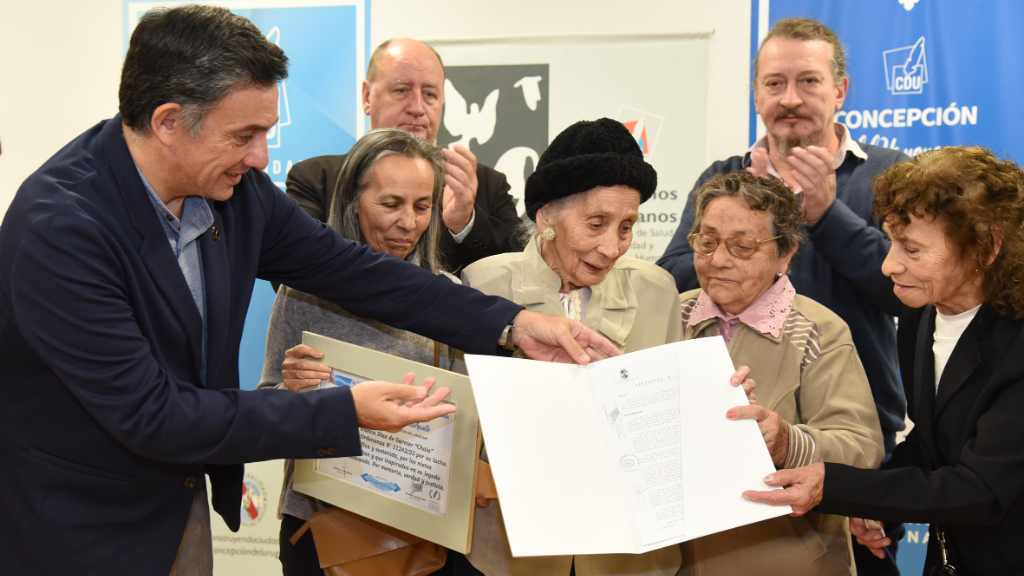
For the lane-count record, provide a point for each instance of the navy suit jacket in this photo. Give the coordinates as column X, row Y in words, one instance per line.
column 961, row 468
column 105, row 428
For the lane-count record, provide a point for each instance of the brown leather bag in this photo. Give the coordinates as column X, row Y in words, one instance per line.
column 351, row 545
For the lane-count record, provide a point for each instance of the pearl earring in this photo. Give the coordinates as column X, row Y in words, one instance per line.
column 548, row 234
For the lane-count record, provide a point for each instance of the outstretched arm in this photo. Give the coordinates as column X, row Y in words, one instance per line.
column 391, row 407
column 552, row 339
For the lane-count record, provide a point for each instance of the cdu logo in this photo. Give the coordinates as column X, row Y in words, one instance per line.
column 906, row 69
column 501, row 114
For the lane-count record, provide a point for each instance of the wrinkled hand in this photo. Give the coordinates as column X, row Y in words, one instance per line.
column 740, row 378
column 391, row 407
column 759, row 162
column 459, row 188
column 872, row 537
column 554, row 339
column 803, row 487
column 298, row 371
column 774, row 429
column 815, row 169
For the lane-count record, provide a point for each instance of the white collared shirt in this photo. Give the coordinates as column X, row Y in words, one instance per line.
column 948, row 330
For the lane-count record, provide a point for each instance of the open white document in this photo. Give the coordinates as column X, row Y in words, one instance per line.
column 625, row 455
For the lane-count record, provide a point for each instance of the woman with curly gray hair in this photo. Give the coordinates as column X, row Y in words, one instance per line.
column 957, row 262
column 812, row 401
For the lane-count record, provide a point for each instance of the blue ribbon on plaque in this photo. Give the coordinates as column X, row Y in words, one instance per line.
column 382, row 486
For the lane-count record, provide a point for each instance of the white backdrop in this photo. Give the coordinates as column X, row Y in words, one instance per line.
column 658, row 84
column 60, row 60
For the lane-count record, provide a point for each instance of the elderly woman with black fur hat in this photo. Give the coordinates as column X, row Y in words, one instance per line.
column 585, row 197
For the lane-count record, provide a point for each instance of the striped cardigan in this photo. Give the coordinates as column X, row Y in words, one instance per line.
column 811, row 376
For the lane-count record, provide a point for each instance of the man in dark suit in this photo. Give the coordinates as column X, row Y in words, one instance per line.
column 127, row 263
column 404, row 88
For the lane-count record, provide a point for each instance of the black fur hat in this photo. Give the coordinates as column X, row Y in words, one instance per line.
column 586, row 155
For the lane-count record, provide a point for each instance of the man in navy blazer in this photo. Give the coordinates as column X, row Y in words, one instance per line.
column 127, row 262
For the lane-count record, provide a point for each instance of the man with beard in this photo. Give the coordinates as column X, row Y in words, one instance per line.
column 800, row 83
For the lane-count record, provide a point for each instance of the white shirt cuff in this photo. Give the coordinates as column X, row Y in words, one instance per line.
column 465, row 231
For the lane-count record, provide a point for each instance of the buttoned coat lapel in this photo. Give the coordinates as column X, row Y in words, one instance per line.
column 962, row 362
column 613, row 303
column 151, row 241
column 213, row 246
column 924, row 384
column 535, row 285
column 613, row 308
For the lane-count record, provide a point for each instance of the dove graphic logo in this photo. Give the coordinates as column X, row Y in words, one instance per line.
column 284, row 116
column 502, row 110
column 531, row 90
column 476, row 122
column 906, row 69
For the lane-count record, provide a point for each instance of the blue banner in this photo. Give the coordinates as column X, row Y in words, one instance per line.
column 320, row 113
column 923, row 74
column 927, row 73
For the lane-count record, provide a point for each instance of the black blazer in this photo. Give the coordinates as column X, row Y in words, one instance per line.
column 312, row 182
column 106, row 429
column 962, row 466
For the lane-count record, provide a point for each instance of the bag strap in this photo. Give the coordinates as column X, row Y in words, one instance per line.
column 485, row 487
column 298, row 533
column 305, row 527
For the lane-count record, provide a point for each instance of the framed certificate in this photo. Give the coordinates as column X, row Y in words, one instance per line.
column 420, row 480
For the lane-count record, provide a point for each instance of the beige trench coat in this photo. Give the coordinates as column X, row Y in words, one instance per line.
column 636, row 306
column 811, row 376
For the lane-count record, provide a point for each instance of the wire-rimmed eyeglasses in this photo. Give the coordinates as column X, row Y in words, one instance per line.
column 739, row 246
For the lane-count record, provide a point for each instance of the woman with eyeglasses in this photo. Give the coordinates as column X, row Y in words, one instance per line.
column 812, row 401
